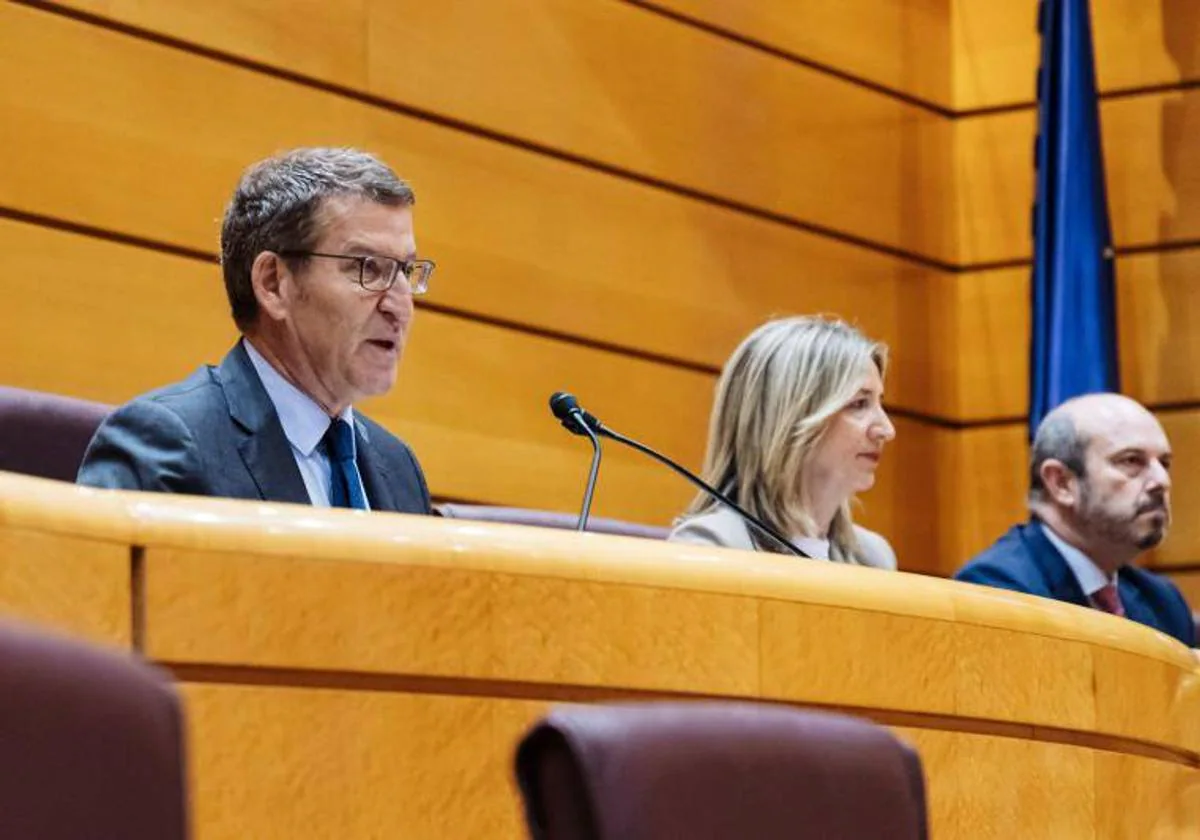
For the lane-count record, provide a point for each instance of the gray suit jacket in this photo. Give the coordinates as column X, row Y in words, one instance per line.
column 217, row 434
column 725, row 527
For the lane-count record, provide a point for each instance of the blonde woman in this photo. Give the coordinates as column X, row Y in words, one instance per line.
column 797, row 429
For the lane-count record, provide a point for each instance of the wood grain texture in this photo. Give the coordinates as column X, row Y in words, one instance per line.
column 632, row 615
column 684, row 106
column 1188, row 581
column 1137, row 44
column 335, row 654
column 975, row 367
column 1153, row 176
column 1182, row 545
column 904, row 46
column 1061, row 790
column 518, row 236
column 942, row 495
column 971, row 793
column 279, row 762
column 65, row 558
column 71, row 584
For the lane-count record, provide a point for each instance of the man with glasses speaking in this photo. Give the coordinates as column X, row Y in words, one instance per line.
column 321, row 267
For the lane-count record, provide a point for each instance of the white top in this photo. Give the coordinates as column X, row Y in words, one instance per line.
column 1091, row 578
column 304, row 423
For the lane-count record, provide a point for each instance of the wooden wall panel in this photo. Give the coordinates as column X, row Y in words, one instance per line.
column 315, row 699
column 683, row 106
column 943, row 495
column 975, row 365
column 1182, row 546
column 1158, row 313
column 1188, row 581
column 75, row 585
column 1157, row 799
column 1138, row 44
column 903, row 46
column 65, row 564
column 1153, row 172
column 518, row 236
column 277, row 762
column 466, row 389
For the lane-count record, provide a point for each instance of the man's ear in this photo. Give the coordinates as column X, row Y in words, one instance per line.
column 1062, row 485
column 271, row 280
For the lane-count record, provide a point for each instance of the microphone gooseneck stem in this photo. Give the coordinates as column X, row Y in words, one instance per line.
column 703, row 485
column 593, row 475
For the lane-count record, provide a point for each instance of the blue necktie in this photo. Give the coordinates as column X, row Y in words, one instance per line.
column 345, row 485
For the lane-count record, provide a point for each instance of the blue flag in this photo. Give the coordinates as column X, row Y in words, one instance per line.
column 1074, row 348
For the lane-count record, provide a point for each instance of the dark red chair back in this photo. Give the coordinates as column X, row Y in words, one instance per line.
column 717, row 771
column 45, row 434
column 91, row 744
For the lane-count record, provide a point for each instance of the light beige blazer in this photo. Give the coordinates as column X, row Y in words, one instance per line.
column 724, row 527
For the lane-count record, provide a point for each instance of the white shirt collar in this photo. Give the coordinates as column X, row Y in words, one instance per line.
column 304, row 422
column 1091, row 578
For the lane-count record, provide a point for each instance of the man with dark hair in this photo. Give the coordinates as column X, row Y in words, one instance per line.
column 1100, row 495
column 319, row 260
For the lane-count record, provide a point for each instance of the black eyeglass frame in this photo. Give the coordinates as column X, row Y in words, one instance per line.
column 408, row 267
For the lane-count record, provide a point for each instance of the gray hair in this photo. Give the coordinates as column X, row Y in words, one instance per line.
column 277, row 207
column 776, row 397
column 1056, row 438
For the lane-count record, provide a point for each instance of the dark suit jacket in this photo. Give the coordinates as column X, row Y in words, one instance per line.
column 1023, row 560
column 217, row 434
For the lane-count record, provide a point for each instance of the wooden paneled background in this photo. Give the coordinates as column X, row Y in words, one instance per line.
column 615, row 191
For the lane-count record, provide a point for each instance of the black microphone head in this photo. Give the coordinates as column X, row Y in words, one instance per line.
column 563, row 404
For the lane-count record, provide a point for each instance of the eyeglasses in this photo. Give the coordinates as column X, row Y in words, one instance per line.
column 377, row 273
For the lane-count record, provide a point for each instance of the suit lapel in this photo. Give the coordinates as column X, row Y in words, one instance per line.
column 1135, row 605
column 264, row 447
column 1060, row 580
column 376, row 480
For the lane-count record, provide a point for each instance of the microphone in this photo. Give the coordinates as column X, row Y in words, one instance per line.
column 579, row 422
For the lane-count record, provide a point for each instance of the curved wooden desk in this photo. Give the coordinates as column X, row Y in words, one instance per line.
column 367, row 675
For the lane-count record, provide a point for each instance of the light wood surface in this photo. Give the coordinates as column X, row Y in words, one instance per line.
column 80, row 586
column 1138, row 44
column 1188, row 582
column 684, row 106
column 974, row 365
column 1153, row 176
column 518, row 237
column 903, row 46
column 67, row 570
column 364, row 675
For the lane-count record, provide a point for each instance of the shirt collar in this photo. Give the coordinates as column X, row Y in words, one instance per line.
column 304, row 422
column 1090, row 577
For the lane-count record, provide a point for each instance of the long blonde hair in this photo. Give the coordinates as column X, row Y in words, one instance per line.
column 776, row 397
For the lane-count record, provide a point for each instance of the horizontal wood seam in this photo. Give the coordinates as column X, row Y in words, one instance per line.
column 246, row 676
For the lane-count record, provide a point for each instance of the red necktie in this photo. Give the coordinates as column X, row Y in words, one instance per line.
column 1108, row 599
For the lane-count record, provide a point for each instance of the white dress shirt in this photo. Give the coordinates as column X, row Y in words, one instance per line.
column 1091, row 578
column 304, row 423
